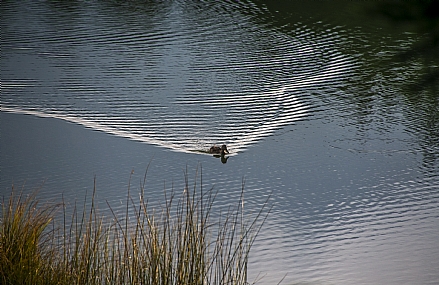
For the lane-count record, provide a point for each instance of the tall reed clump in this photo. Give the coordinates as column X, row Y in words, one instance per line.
column 178, row 243
column 26, row 249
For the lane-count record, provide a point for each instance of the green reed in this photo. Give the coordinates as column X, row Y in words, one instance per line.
column 178, row 243
column 26, row 249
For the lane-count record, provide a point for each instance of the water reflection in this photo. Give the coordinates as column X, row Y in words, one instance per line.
column 421, row 17
column 223, row 158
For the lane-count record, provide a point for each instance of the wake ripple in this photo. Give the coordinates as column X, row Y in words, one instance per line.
column 182, row 80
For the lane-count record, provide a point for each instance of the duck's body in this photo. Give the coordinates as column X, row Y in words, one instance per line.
column 219, row 150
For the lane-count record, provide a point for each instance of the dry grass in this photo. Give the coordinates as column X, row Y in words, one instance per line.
column 176, row 244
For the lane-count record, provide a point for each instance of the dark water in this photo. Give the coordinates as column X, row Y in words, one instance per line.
column 310, row 100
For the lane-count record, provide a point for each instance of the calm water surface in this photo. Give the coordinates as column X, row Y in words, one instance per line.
column 310, row 100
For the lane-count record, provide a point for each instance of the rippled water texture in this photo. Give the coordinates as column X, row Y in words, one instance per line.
column 310, row 100
column 180, row 75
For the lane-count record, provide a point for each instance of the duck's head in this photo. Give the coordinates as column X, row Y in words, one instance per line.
column 224, row 149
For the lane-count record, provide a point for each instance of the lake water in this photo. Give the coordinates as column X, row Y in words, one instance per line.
column 310, row 99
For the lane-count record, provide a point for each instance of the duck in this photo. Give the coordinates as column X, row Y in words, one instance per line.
column 219, row 150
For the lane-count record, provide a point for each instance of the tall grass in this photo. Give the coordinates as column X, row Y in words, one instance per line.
column 26, row 250
column 177, row 243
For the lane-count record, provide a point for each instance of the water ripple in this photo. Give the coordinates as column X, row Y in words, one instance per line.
column 186, row 82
